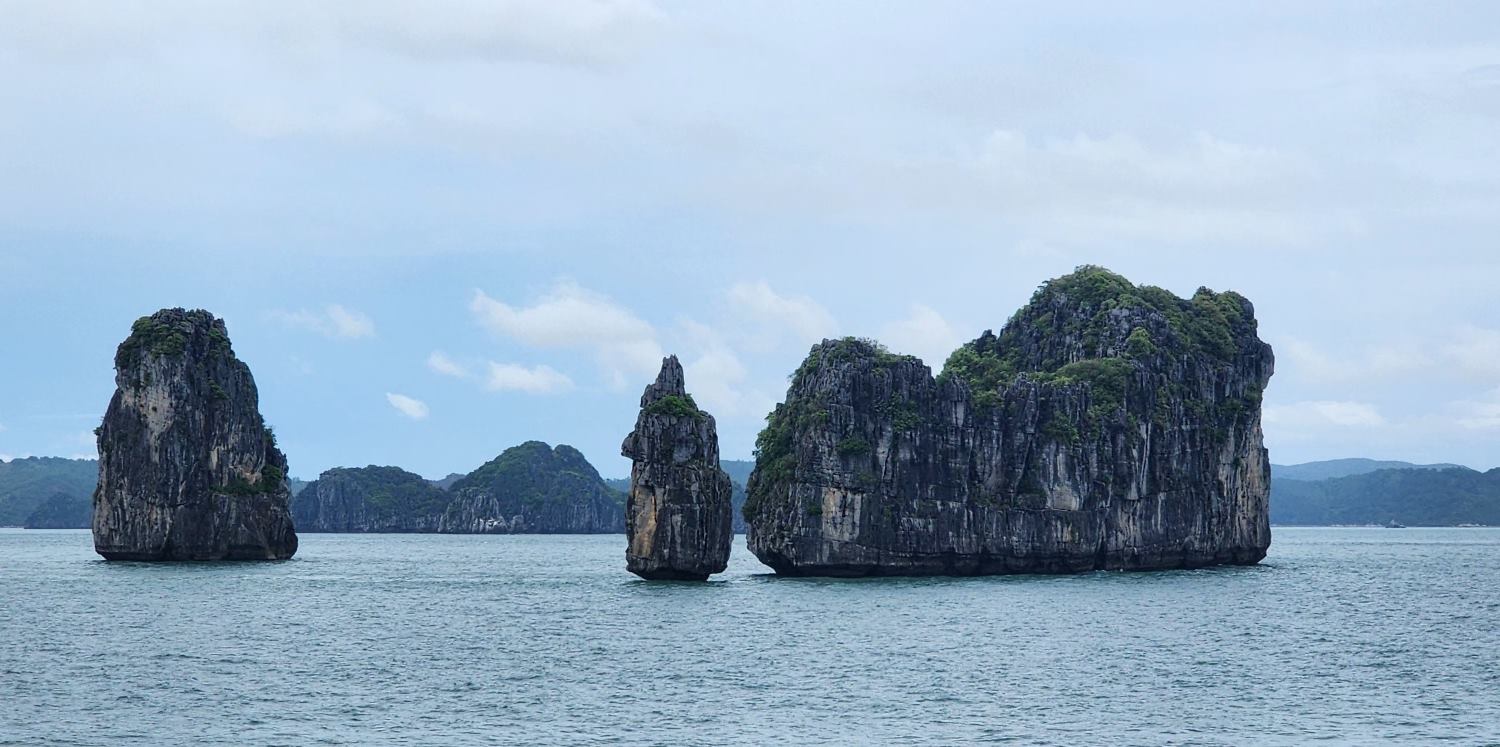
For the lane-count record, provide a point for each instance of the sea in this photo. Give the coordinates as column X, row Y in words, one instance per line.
column 1341, row 637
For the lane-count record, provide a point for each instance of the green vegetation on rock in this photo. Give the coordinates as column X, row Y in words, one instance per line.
column 676, row 406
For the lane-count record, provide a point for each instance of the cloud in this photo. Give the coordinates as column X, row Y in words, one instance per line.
column 1475, row 351
column 1205, row 188
column 506, row 377
column 1317, row 363
column 802, row 316
column 2, row 427
column 570, row 316
column 571, row 32
column 1478, row 414
column 925, row 334
column 334, row 321
column 412, row 408
column 274, row 118
column 1321, row 414
column 440, row 363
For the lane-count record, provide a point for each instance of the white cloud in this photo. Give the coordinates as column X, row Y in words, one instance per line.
column 1319, row 363
column 570, row 316
column 271, row 118
column 1478, row 414
column 586, row 32
column 1321, row 414
column 807, row 320
column 439, row 362
column 925, row 334
column 567, row 316
column 334, row 321
column 534, row 380
column 2, row 427
column 1085, row 187
column 1476, row 351
column 412, row 408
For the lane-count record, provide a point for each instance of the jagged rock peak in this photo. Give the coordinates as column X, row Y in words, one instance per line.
column 669, row 382
column 677, row 516
column 1108, row 425
column 188, row 469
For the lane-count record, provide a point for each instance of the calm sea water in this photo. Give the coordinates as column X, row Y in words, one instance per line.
column 1343, row 636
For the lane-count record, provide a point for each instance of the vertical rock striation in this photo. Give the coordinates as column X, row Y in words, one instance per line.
column 677, row 516
column 188, row 469
column 1108, row 426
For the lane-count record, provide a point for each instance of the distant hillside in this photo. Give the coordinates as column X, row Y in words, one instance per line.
column 62, row 511
column 1345, row 468
column 27, row 483
column 447, row 482
column 369, row 499
column 738, row 469
column 534, row 488
column 1418, row 496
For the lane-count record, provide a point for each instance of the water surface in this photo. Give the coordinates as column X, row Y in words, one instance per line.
column 1343, row 636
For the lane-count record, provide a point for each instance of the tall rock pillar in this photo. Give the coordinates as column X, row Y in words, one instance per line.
column 677, row 517
column 188, row 470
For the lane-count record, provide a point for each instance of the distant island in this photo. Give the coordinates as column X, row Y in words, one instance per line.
column 531, row 488
column 1369, row 492
column 54, row 493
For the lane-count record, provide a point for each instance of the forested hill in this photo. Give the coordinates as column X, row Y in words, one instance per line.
column 25, row 484
column 1345, row 467
column 1414, row 496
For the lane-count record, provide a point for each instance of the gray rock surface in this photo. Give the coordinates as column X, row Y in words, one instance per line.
column 1108, row 426
column 677, row 516
column 188, row 469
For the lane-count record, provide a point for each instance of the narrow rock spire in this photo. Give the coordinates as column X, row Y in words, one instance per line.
column 677, row 516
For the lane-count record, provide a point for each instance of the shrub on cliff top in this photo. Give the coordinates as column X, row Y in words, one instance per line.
column 677, row 406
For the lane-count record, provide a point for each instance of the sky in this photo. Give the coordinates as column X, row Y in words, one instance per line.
column 437, row 230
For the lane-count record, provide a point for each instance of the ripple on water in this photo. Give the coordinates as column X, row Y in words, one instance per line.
column 1345, row 636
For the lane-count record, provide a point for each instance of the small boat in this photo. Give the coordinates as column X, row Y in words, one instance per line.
column 1393, row 524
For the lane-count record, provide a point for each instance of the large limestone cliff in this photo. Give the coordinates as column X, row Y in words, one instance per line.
column 677, row 517
column 188, row 470
column 534, row 488
column 369, row 499
column 1108, row 426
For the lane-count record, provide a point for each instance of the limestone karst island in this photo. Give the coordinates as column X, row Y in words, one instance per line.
column 188, row 469
column 1107, row 426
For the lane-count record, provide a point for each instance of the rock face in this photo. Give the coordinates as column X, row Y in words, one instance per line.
column 1108, row 426
column 677, row 517
column 369, row 499
column 188, row 470
column 536, row 489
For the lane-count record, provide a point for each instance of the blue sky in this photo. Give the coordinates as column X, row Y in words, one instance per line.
column 437, row 232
